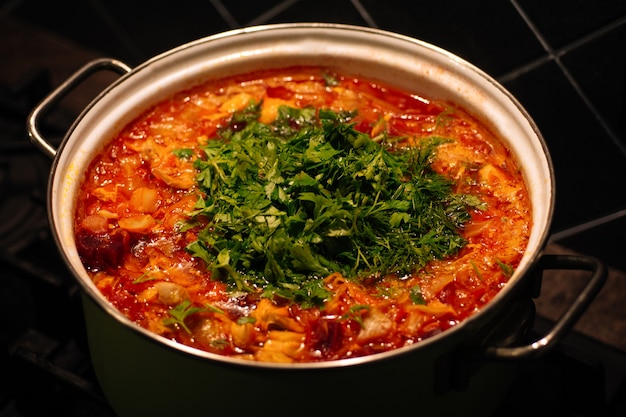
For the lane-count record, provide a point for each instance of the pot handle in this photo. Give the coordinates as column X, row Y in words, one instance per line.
column 569, row 317
column 61, row 91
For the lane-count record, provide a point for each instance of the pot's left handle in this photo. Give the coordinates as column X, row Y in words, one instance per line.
column 567, row 320
column 104, row 64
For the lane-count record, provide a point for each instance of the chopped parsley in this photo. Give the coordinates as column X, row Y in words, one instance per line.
column 290, row 202
column 179, row 313
column 416, row 296
column 183, row 153
column 356, row 313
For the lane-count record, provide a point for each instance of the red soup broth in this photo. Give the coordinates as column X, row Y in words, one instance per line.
column 138, row 192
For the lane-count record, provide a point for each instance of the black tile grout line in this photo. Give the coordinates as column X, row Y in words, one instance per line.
column 225, row 14
column 116, row 29
column 544, row 43
column 591, row 36
column 277, row 9
column 523, row 69
column 583, row 227
column 364, row 13
column 555, row 55
column 268, row 14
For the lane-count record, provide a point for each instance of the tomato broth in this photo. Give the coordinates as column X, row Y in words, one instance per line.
column 148, row 234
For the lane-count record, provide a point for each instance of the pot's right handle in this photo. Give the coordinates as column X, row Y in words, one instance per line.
column 61, row 91
column 569, row 317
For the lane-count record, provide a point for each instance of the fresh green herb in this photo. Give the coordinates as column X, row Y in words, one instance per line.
column 329, row 80
column 183, row 153
column 182, row 311
column 456, row 207
column 290, row 120
column 182, row 226
column 179, row 313
column 209, row 307
column 356, row 313
column 415, row 293
column 507, row 270
column 246, row 320
column 476, row 270
column 220, row 344
column 143, row 278
column 241, row 119
column 290, row 202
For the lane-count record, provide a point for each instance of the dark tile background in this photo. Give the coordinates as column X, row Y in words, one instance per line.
column 565, row 60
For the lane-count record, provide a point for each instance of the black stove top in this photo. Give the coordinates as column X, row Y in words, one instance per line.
column 540, row 55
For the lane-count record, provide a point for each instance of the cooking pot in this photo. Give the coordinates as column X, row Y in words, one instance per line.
column 462, row 370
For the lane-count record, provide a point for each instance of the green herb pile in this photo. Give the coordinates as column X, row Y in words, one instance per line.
column 290, row 202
